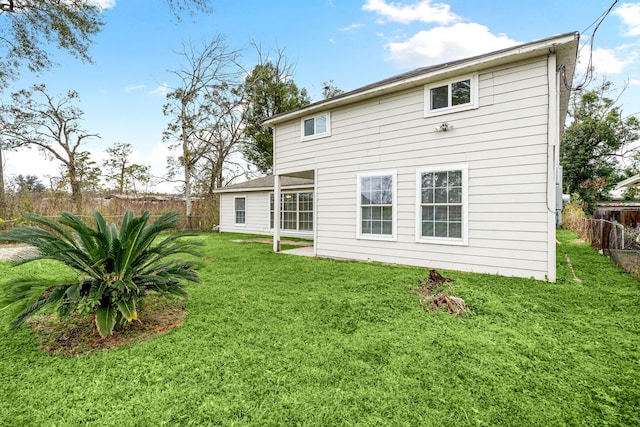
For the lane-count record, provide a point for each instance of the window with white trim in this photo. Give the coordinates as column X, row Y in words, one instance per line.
column 442, row 204
column 449, row 96
column 376, row 199
column 240, row 210
column 317, row 126
column 296, row 211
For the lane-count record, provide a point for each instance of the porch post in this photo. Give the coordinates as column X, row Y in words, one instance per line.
column 276, row 212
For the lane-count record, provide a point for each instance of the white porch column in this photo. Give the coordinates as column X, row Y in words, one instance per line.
column 276, row 212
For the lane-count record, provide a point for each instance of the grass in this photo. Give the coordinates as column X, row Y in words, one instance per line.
column 275, row 339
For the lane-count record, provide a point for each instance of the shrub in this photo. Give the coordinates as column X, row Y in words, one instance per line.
column 116, row 267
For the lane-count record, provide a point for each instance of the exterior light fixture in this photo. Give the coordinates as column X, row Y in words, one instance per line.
column 444, row 127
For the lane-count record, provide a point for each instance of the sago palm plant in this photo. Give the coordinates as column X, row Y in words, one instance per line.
column 116, row 266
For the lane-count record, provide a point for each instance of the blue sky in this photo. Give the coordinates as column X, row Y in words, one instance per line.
column 352, row 42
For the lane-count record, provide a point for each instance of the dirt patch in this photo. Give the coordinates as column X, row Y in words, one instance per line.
column 76, row 334
column 435, row 295
column 267, row 240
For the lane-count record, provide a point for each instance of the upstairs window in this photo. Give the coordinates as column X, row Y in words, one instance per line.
column 453, row 95
column 317, row 126
column 240, row 212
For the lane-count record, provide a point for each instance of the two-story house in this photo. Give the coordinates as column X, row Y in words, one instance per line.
column 452, row 166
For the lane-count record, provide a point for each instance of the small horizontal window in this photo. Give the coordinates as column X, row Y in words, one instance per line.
column 454, row 95
column 316, row 127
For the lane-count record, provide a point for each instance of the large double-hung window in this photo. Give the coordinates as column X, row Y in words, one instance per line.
column 377, row 205
column 296, row 211
column 442, row 204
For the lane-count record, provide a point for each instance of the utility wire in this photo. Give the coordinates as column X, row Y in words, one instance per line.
column 589, row 73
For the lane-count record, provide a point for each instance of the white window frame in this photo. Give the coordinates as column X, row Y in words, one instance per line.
column 430, row 112
column 316, row 135
column 394, row 208
column 235, row 211
column 298, row 211
column 462, row 241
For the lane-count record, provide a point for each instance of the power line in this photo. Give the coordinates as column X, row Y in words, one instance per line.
column 589, row 73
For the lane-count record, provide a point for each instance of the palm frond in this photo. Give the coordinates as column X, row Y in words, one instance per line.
column 116, row 266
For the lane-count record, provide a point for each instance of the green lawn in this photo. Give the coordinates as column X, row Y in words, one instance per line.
column 275, row 339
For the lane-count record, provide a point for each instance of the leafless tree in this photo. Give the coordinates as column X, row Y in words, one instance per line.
column 52, row 125
column 204, row 72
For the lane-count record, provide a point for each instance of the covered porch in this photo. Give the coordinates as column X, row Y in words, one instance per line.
column 278, row 211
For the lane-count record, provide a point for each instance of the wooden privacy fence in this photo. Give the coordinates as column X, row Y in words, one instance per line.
column 205, row 213
column 620, row 243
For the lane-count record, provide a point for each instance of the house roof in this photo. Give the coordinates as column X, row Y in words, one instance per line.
column 564, row 45
column 265, row 183
column 629, row 182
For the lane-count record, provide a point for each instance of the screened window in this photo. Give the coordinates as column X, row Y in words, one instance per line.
column 442, row 204
column 376, row 195
column 449, row 96
column 316, row 127
column 296, row 211
column 240, row 210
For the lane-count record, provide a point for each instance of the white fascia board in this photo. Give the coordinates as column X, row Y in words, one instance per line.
column 473, row 64
column 255, row 189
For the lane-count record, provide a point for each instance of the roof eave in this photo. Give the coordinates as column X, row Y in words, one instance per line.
column 256, row 189
column 522, row 52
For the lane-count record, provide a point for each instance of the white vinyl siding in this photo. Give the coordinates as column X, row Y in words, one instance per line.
column 503, row 142
column 256, row 214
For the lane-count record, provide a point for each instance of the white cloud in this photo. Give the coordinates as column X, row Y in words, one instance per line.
column 25, row 161
column 104, row 4
column 158, row 163
column 424, row 11
column 634, row 82
column 131, row 88
column 629, row 13
column 604, row 61
column 442, row 44
column 161, row 90
column 350, row 27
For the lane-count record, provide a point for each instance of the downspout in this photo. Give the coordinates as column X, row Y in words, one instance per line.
column 276, row 199
column 553, row 156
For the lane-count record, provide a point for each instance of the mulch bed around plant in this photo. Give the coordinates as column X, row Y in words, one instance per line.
column 76, row 335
